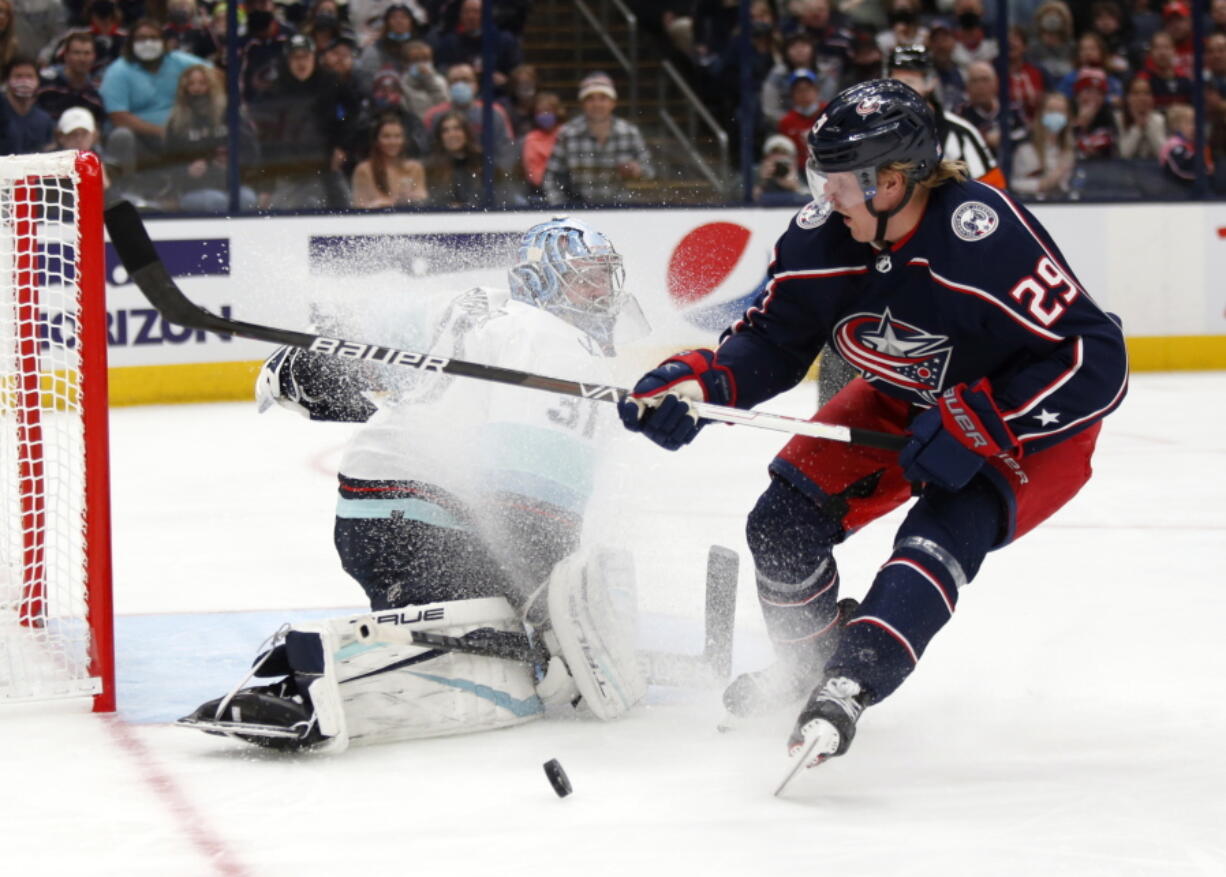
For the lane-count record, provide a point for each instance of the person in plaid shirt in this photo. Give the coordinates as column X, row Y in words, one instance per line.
column 596, row 153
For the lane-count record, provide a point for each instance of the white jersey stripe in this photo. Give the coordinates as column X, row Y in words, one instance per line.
column 991, row 299
column 1060, row 381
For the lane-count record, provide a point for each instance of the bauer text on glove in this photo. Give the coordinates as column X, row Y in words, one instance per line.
column 950, row 442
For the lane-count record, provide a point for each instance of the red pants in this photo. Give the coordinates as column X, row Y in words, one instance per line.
column 1032, row 488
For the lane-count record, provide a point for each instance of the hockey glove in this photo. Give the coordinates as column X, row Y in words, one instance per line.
column 949, row 443
column 312, row 385
column 659, row 405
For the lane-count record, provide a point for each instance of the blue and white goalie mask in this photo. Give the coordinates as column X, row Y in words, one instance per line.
column 566, row 267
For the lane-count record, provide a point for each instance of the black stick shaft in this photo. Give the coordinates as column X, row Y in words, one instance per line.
column 141, row 261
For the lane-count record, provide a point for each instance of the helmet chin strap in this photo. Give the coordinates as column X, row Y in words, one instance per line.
column 883, row 219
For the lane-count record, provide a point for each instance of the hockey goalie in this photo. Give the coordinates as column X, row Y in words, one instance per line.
column 459, row 512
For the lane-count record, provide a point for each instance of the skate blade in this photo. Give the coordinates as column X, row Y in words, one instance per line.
column 232, row 729
column 813, row 753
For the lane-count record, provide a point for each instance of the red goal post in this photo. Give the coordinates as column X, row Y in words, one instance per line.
column 56, row 623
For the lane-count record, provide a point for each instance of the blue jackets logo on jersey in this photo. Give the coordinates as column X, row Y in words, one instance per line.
column 974, row 221
column 889, row 350
column 813, row 214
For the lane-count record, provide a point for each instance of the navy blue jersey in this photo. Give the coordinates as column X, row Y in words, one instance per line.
column 978, row 289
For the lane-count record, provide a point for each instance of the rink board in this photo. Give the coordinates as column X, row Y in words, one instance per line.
column 1157, row 266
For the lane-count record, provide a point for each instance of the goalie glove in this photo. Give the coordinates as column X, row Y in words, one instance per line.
column 317, row 387
column 659, row 405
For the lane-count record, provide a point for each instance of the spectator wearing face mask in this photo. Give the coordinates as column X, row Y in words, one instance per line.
column 1052, row 50
column 390, row 50
column 1043, row 165
column 367, row 16
column 24, row 126
column 138, row 91
column 462, row 93
column 197, row 144
column 538, row 144
column 462, row 45
column 972, row 41
column 424, row 85
column 806, row 106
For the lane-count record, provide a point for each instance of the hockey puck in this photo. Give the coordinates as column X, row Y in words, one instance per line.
column 558, row 778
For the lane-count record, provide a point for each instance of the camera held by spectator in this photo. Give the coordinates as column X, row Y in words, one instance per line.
column 778, row 180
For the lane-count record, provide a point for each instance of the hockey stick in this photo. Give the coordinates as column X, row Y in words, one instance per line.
column 141, row 261
column 709, row 668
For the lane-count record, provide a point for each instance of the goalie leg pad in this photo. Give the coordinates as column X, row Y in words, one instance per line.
column 594, row 615
column 388, row 689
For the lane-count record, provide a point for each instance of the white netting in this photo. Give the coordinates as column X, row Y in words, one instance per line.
column 44, row 634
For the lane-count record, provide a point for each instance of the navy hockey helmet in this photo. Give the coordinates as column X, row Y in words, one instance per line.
column 867, row 127
column 566, row 267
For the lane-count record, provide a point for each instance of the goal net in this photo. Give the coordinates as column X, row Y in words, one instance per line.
column 55, row 596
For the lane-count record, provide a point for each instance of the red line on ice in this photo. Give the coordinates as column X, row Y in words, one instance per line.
column 190, row 820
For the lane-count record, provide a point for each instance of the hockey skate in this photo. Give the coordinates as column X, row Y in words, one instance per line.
column 783, row 682
column 272, row 716
column 826, row 726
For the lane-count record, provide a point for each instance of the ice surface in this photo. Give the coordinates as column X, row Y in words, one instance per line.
column 1070, row 720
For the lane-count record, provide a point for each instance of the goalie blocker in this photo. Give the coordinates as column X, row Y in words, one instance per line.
column 463, row 666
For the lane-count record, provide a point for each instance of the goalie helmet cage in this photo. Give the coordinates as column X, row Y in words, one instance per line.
column 56, row 629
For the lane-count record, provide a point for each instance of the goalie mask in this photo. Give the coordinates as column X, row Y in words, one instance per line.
column 566, row 267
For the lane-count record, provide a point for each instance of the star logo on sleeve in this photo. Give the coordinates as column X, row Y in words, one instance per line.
column 1047, row 418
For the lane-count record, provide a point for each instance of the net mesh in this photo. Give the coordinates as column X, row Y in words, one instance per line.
column 44, row 597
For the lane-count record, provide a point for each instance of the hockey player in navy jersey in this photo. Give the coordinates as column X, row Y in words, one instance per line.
column 972, row 338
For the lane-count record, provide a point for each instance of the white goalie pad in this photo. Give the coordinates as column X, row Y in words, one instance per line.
column 593, row 608
column 378, row 686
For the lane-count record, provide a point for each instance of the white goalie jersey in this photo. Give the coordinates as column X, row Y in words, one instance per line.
column 475, row 437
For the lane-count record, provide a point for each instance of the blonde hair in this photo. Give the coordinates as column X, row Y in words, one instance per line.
column 947, row 170
column 1179, row 114
column 181, row 114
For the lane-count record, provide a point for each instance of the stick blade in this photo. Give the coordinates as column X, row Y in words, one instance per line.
column 723, row 568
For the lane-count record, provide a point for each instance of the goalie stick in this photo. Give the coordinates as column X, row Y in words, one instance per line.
column 140, row 260
column 709, row 668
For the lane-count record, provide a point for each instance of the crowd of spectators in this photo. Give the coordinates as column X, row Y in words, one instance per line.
column 373, row 104
column 362, row 104
column 1118, row 73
